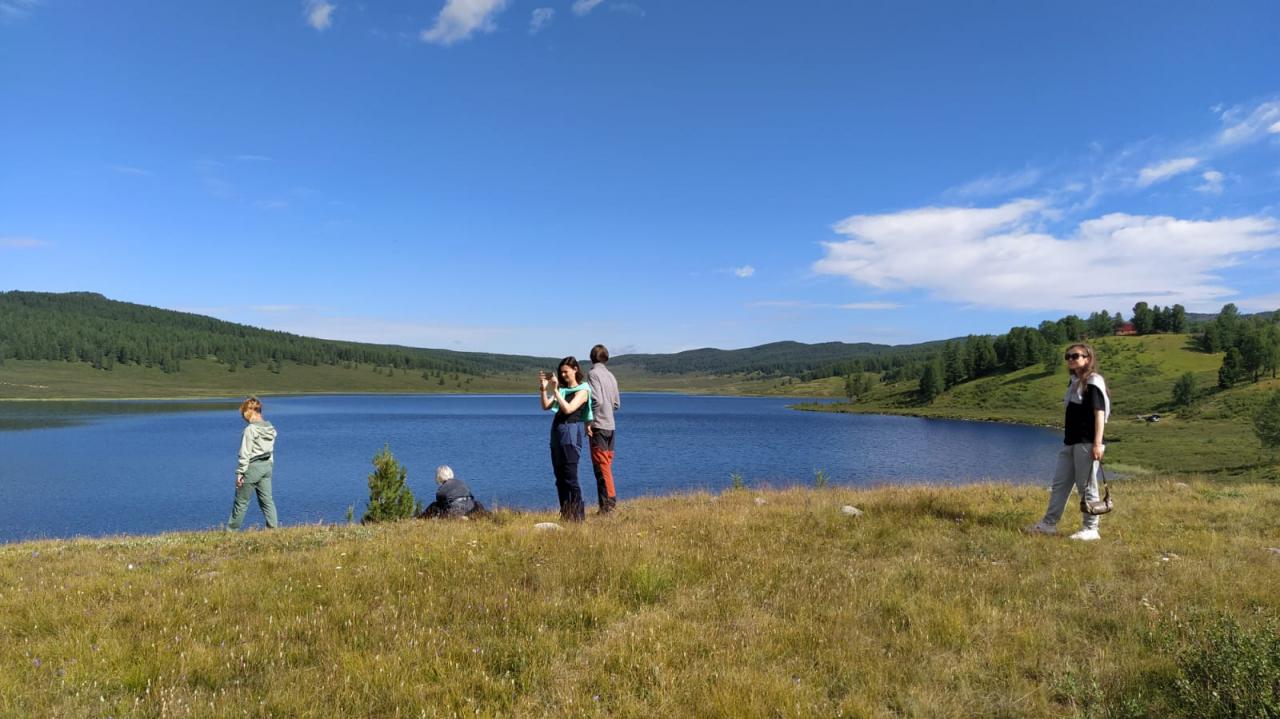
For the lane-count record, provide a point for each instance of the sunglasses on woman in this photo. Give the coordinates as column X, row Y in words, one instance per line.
column 1075, row 355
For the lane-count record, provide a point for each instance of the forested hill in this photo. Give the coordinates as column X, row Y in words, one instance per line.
column 87, row 327
column 777, row 358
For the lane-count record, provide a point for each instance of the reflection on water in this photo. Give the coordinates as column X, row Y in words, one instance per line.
column 19, row 415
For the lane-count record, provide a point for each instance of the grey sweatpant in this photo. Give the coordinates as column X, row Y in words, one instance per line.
column 1075, row 468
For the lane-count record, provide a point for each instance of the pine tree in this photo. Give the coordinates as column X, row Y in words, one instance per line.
column 952, row 370
column 1266, row 422
column 1271, row 353
column 1184, row 392
column 1253, row 351
column 1231, row 368
column 389, row 497
column 931, row 381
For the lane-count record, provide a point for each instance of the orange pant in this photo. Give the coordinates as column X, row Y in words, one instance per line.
column 602, row 463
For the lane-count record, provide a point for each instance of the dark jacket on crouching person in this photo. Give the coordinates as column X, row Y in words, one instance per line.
column 453, row 499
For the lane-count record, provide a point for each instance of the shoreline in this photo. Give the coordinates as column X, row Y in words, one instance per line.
column 921, row 415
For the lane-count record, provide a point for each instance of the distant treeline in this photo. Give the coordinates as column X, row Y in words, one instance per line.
column 87, row 327
column 793, row 359
column 1251, row 344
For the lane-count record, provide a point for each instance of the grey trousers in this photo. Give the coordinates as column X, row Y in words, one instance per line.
column 257, row 480
column 1075, row 468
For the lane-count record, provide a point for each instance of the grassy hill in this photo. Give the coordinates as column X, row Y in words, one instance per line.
column 746, row 604
column 85, row 327
column 1214, row 435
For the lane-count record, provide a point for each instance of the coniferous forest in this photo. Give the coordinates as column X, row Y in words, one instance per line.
column 87, row 327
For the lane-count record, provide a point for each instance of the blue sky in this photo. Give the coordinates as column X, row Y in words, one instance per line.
column 535, row 177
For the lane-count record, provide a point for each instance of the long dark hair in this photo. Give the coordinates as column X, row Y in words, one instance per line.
column 572, row 362
column 1089, row 369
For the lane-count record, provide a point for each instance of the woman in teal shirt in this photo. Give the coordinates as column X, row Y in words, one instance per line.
column 570, row 399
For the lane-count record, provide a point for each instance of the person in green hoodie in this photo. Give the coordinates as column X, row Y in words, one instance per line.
column 253, row 470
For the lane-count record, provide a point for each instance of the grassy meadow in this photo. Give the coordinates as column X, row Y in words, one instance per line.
column 747, row 604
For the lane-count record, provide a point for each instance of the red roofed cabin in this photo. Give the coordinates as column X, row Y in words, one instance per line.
column 1126, row 329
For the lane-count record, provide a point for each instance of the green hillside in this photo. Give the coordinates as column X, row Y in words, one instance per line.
column 1214, row 434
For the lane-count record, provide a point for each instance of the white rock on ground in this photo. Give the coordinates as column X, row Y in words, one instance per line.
column 547, row 526
column 851, row 510
column 760, row 500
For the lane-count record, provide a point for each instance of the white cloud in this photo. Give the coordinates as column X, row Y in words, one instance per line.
column 21, row 243
column 996, row 185
column 800, row 305
column 16, row 9
column 459, row 19
column 1212, row 183
column 870, row 306
column 540, row 18
column 582, row 7
column 997, row 257
column 1264, row 118
column 1274, row 129
column 1264, row 303
column 744, row 271
column 627, row 8
column 319, row 13
column 1162, row 171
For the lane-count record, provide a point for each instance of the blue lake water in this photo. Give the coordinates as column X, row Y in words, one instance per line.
column 119, row 467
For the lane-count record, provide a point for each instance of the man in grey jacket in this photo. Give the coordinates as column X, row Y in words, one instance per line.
column 604, row 400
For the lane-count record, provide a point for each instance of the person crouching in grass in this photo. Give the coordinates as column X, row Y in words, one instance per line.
column 253, row 470
column 453, row 497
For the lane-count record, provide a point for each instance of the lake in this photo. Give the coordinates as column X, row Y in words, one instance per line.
column 97, row 468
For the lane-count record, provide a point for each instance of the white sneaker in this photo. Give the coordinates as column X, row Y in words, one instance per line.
column 1087, row 535
column 1042, row 528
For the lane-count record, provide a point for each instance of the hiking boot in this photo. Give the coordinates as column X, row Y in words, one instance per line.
column 1087, row 535
column 1041, row 528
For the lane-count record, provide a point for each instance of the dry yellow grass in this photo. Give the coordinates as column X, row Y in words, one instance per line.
column 932, row 603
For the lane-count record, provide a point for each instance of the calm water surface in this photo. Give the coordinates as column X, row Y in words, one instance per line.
column 139, row 467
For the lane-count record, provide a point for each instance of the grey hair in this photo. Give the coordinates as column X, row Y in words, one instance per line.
column 444, row 473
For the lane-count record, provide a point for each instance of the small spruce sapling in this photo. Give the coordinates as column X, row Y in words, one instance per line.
column 389, row 497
